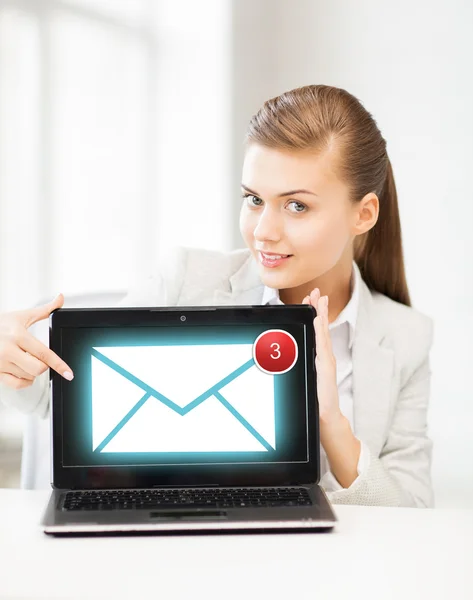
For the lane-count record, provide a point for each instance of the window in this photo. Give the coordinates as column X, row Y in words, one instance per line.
column 113, row 147
column 112, row 140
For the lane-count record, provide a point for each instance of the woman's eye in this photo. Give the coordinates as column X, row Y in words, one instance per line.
column 297, row 207
column 252, row 200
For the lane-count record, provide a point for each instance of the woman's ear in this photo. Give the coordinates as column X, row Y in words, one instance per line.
column 365, row 214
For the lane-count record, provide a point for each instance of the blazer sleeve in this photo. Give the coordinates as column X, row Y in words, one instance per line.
column 401, row 475
column 30, row 400
column 162, row 288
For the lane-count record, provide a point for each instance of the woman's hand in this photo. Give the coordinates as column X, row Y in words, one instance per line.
column 325, row 363
column 22, row 356
column 337, row 438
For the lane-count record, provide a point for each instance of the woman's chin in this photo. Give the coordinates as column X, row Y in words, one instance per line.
column 274, row 278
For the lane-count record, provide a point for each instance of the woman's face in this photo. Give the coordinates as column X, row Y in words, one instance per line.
column 295, row 236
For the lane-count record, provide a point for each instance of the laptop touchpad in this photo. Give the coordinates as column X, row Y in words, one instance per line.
column 176, row 515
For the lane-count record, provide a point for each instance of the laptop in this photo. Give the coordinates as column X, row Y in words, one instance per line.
column 195, row 419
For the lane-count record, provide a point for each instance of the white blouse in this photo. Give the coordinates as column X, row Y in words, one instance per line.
column 342, row 332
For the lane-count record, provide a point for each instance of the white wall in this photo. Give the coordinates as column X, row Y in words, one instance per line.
column 411, row 65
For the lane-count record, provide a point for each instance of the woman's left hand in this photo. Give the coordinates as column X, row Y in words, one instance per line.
column 325, row 363
column 339, row 442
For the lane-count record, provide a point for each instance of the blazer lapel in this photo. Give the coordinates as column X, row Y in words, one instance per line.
column 373, row 369
column 245, row 287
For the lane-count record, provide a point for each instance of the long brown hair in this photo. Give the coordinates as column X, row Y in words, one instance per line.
column 320, row 117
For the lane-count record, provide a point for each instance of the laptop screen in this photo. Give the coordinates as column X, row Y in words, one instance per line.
column 179, row 398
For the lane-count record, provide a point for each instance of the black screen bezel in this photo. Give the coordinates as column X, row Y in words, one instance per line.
column 152, row 476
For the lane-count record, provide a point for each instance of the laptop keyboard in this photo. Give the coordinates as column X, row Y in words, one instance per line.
column 186, row 498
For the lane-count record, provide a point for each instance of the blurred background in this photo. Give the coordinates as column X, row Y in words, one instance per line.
column 121, row 129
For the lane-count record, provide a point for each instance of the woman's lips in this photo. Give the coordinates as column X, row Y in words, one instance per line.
column 271, row 260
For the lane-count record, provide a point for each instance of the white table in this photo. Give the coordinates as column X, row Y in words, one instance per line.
column 374, row 552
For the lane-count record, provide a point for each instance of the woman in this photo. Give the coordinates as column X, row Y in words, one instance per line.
column 320, row 220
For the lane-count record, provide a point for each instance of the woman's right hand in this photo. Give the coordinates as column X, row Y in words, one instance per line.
column 22, row 356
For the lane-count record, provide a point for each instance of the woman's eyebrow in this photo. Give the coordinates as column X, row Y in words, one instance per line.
column 290, row 193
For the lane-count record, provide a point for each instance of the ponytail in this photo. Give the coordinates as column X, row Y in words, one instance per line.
column 378, row 253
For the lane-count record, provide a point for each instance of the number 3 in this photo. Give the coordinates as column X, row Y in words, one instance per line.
column 277, row 350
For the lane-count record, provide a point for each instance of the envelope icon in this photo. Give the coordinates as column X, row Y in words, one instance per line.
column 181, row 398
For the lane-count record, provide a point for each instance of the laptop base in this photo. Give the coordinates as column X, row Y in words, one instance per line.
column 317, row 517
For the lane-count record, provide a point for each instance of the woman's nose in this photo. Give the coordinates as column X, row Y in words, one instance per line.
column 268, row 227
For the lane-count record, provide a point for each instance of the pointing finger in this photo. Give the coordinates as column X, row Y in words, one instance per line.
column 43, row 354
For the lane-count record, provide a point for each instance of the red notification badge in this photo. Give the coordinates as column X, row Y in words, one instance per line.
column 275, row 351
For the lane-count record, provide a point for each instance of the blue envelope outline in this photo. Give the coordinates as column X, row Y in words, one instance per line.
column 152, row 393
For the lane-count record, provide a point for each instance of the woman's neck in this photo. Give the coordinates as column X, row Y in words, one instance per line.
column 336, row 284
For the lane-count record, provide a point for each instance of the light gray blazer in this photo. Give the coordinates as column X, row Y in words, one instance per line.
column 391, row 374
